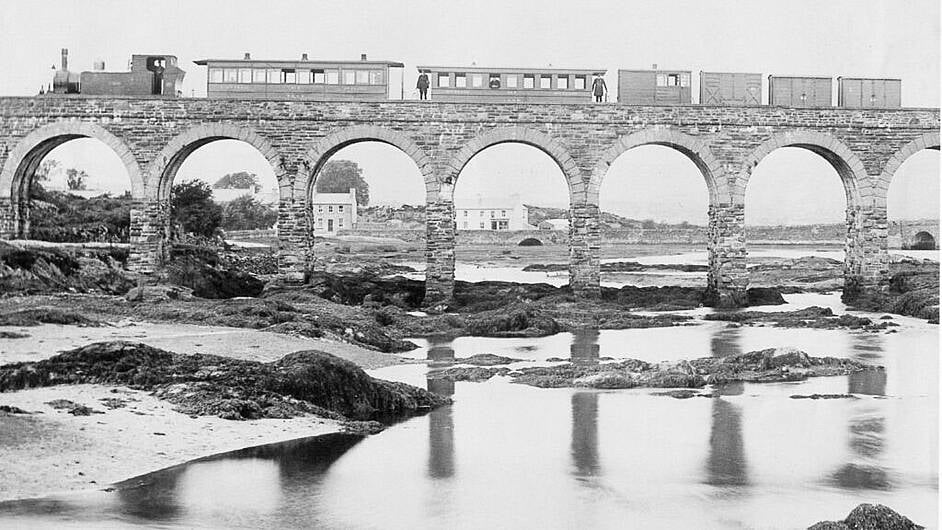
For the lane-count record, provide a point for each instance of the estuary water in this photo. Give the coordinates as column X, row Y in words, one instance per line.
column 511, row 456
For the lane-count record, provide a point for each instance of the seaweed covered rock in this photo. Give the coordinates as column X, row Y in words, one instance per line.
column 301, row 382
column 54, row 269
column 869, row 517
column 35, row 316
column 207, row 281
column 512, row 322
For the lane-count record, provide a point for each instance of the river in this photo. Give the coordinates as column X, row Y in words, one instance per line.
column 506, row 455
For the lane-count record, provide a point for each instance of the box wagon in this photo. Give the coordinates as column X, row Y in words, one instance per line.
column 800, row 91
column 858, row 92
column 726, row 88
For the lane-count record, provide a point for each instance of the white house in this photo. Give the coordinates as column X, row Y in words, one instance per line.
column 334, row 211
column 493, row 214
column 554, row 224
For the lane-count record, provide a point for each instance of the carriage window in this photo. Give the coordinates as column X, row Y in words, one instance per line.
column 477, row 80
column 661, row 80
column 684, row 79
column 580, row 82
column 304, row 77
column 319, row 76
column 546, row 81
column 245, row 75
column 215, row 75
column 274, row 76
column 349, row 77
column 512, row 81
column 461, row 81
column 528, row 81
column 232, row 75
column 333, row 77
column 673, row 79
column 443, row 80
column 363, row 77
column 376, row 77
column 288, row 75
column 562, row 82
column 258, row 75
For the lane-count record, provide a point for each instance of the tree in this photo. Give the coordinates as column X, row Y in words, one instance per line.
column 245, row 213
column 241, row 181
column 42, row 175
column 75, row 179
column 192, row 208
column 338, row 176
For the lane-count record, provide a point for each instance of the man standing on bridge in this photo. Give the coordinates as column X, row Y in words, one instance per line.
column 598, row 88
column 422, row 85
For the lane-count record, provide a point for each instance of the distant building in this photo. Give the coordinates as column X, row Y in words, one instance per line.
column 334, row 211
column 554, row 224
column 494, row 214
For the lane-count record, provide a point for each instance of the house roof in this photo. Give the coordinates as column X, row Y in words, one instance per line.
column 332, row 198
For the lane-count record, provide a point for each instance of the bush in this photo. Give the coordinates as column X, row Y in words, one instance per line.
column 192, row 210
column 65, row 218
column 245, row 213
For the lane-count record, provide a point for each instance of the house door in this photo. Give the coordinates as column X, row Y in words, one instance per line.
column 330, row 225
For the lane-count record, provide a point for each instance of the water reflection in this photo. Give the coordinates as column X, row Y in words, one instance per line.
column 584, row 447
column 440, row 351
column 726, row 462
column 867, row 424
column 585, row 347
column 441, row 432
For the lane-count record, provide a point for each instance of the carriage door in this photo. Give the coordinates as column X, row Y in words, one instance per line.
column 157, row 65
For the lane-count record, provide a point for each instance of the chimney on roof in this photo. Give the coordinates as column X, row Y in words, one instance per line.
column 65, row 58
column 654, row 66
column 248, row 56
column 304, row 57
column 99, row 66
column 362, row 56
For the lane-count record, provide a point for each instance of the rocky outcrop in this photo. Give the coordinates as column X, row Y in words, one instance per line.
column 301, row 382
column 49, row 270
column 809, row 317
column 869, row 517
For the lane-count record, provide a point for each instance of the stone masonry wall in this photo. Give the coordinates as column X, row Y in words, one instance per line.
column 152, row 136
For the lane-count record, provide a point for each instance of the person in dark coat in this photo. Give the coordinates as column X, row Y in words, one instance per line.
column 422, row 85
column 598, row 88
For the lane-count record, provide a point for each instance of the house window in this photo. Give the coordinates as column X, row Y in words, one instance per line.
column 363, row 77
column 482, row 224
column 461, row 81
column 274, row 76
column 349, row 77
column 340, row 208
column 289, row 76
column 258, row 75
column 477, row 80
column 319, row 77
column 320, row 222
column 376, row 77
column 503, row 213
column 215, row 75
column 245, row 75
column 232, row 75
column 493, row 214
column 340, row 222
column 546, row 81
column 330, row 209
column 562, row 82
column 333, row 77
column 511, row 81
column 580, row 82
column 464, row 225
column 528, row 81
column 466, row 213
column 443, row 80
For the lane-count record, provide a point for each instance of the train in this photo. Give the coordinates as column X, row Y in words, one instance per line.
column 382, row 80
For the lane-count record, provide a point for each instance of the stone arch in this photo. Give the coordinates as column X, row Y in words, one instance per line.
column 928, row 140
column 165, row 166
column 522, row 135
column 848, row 166
column 923, row 240
column 324, row 148
column 30, row 151
column 696, row 149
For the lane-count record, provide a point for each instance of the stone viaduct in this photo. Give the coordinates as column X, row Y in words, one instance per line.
column 154, row 136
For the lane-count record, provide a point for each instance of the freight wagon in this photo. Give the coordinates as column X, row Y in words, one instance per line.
column 856, row 92
column 799, row 91
column 727, row 89
column 654, row 87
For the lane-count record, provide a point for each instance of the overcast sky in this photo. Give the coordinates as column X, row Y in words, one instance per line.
column 800, row 37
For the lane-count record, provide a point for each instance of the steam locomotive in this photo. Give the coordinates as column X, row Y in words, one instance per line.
column 371, row 80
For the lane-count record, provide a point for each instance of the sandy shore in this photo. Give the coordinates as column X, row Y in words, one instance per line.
column 53, row 451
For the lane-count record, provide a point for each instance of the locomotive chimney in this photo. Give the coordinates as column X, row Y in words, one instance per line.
column 65, row 58
column 362, row 56
column 248, row 56
column 304, row 57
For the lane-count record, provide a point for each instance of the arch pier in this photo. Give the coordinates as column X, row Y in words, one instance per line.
column 154, row 136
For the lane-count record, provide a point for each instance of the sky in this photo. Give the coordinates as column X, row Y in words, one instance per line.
column 867, row 38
